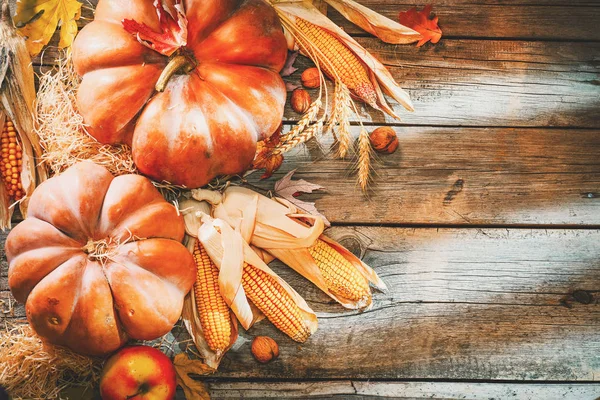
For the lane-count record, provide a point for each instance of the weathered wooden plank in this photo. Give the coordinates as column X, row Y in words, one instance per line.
column 401, row 390
column 461, row 176
column 463, row 304
column 490, row 83
column 524, row 19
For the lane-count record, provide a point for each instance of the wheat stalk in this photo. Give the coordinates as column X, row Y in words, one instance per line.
column 364, row 159
column 342, row 107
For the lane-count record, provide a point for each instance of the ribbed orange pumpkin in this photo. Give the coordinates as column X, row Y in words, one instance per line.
column 99, row 260
column 214, row 64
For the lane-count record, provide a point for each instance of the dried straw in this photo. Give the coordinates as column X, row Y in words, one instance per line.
column 364, row 159
column 32, row 369
column 62, row 130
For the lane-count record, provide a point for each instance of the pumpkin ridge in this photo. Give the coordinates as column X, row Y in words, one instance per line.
column 79, row 278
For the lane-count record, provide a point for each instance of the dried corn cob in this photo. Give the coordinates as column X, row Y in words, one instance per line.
column 335, row 59
column 342, row 278
column 12, row 161
column 213, row 311
column 277, row 305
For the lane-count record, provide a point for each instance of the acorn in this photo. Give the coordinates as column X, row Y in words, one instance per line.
column 311, row 78
column 384, row 140
column 300, row 100
column 264, row 349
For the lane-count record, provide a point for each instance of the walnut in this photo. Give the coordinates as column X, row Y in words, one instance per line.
column 384, row 140
column 311, row 78
column 264, row 349
column 300, row 100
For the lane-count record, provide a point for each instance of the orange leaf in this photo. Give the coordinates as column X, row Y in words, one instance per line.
column 264, row 155
column 420, row 22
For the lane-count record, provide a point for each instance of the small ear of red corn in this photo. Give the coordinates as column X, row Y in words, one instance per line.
column 212, row 309
column 334, row 55
column 11, row 162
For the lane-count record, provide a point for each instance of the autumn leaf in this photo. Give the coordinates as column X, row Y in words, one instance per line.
column 265, row 159
column 37, row 20
column 291, row 189
column 289, row 68
column 420, row 22
column 173, row 26
column 192, row 388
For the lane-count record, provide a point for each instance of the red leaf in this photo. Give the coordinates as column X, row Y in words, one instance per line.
column 173, row 28
column 420, row 22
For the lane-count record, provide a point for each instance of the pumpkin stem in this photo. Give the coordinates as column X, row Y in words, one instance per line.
column 180, row 63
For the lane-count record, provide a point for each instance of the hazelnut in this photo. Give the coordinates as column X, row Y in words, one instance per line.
column 384, row 140
column 311, row 78
column 264, row 349
column 300, row 100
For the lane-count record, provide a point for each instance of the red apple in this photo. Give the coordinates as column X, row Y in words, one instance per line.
column 138, row 373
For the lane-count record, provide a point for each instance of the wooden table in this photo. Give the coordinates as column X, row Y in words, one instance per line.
column 484, row 224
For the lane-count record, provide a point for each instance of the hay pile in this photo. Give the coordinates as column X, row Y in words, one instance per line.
column 61, row 128
column 32, row 369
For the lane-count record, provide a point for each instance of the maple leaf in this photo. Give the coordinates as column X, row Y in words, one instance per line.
column 173, row 26
column 193, row 389
column 264, row 155
column 420, row 22
column 37, row 20
column 291, row 189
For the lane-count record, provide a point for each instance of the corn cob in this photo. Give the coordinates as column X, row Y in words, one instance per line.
column 332, row 55
column 213, row 311
column 342, row 278
column 277, row 305
column 12, row 161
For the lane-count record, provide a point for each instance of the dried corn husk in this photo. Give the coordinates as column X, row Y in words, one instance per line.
column 229, row 251
column 189, row 314
column 17, row 102
column 384, row 28
column 279, row 228
column 382, row 80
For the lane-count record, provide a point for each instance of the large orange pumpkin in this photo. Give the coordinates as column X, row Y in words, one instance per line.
column 214, row 64
column 99, row 260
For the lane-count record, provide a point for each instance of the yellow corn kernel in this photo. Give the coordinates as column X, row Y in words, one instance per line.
column 277, row 305
column 342, row 278
column 11, row 164
column 213, row 311
column 333, row 55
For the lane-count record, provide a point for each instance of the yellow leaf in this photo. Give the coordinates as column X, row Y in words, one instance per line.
column 193, row 389
column 37, row 20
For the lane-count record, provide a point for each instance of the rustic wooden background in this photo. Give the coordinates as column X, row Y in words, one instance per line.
column 484, row 224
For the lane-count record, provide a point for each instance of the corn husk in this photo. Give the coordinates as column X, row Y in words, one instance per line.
column 382, row 80
column 189, row 314
column 384, row 28
column 229, row 251
column 17, row 102
column 279, row 228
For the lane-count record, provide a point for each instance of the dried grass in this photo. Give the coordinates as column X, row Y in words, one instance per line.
column 62, row 130
column 32, row 369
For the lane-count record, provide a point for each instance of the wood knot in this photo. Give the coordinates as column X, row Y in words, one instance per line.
column 583, row 297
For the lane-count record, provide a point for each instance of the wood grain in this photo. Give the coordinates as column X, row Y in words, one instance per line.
column 401, row 390
column 475, row 304
column 485, row 176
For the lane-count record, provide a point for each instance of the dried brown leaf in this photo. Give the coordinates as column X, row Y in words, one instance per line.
column 192, row 388
column 290, row 190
